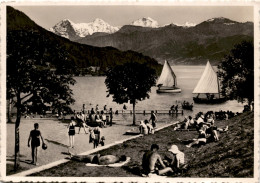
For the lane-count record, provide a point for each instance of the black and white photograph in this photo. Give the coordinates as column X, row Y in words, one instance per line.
column 144, row 92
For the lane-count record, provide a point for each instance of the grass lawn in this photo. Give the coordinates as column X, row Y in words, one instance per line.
column 232, row 156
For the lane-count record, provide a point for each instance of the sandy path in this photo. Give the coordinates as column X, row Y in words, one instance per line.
column 56, row 137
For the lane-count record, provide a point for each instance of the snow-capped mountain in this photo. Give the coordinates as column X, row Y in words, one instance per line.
column 68, row 29
column 187, row 24
column 145, row 22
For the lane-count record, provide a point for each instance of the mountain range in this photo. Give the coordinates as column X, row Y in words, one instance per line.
column 30, row 40
column 191, row 44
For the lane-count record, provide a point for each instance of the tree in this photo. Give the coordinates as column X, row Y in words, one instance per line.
column 38, row 76
column 130, row 82
column 236, row 72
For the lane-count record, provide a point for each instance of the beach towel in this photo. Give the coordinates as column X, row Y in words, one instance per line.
column 119, row 164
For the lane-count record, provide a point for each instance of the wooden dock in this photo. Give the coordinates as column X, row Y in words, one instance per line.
column 144, row 112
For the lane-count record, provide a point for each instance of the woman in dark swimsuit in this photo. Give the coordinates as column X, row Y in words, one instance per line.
column 35, row 142
column 71, row 132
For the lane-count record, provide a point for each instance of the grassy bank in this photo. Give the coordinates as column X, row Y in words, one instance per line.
column 232, row 156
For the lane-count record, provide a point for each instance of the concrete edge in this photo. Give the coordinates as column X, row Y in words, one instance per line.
column 56, row 163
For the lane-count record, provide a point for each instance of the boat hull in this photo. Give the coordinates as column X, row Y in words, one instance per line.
column 169, row 90
column 187, row 107
column 209, row 101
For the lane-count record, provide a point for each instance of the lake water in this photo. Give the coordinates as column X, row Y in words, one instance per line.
column 92, row 90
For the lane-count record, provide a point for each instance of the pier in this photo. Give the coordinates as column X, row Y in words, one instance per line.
column 144, row 112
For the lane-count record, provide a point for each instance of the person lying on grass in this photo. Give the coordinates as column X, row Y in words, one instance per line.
column 201, row 140
column 149, row 162
column 211, row 131
column 98, row 159
column 184, row 124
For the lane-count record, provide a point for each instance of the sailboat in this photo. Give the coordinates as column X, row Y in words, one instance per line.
column 209, row 86
column 167, row 82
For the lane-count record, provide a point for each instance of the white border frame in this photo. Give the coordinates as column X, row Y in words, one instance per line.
column 140, row 3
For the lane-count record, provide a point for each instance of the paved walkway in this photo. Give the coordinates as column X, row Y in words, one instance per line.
column 56, row 137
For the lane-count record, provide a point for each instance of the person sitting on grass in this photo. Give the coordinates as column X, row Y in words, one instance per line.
column 175, row 159
column 98, row 159
column 143, row 128
column 34, row 138
column 149, row 162
column 149, row 127
column 184, row 124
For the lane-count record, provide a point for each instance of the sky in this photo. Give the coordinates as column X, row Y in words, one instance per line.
column 118, row 15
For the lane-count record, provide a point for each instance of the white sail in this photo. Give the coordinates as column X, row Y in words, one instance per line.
column 167, row 78
column 208, row 82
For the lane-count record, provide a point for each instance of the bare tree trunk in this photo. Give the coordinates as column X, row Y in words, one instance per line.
column 9, row 111
column 17, row 134
column 134, row 112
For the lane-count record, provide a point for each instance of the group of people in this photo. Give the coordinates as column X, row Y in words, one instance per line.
column 95, row 136
column 152, row 162
column 173, row 162
column 205, row 125
column 146, row 127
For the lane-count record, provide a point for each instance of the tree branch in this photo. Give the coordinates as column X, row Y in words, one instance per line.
column 26, row 96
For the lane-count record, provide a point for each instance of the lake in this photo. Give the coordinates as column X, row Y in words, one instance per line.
column 92, row 90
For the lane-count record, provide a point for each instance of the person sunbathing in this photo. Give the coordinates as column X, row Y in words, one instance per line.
column 201, row 140
column 98, row 159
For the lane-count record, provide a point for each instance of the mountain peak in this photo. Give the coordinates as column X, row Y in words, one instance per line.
column 98, row 20
column 221, row 20
column 68, row 29
column 146, row 22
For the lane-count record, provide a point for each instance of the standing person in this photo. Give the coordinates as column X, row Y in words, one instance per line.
column 124, row 108
column 105, row 108
column 83, row 109
column 95, row 136
column 176, row 109
column 71, row 132
column 81, row 122
column 103, row 118
column 153, row 118
column 111, row 116
column 97, row 108
column 34, row 137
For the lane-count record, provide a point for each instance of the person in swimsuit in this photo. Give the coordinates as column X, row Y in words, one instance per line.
column 150, row 159
column 153, row 118
column 34, row 138
column 95, row 136
column 71, row 132
column 98, row 159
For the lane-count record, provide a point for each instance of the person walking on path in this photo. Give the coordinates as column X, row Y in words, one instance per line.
column 81, row 122
column 111, row 116
column 34, row 138
column 71, row 131
column 153, row 118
